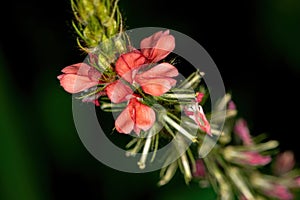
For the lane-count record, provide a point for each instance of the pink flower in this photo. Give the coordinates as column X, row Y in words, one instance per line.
column 231, row 105
column 280, row 192
column 241, row 129
column 78, row 77
column 136, row 116
column 242, row 197
column 254, row 158
column 284, row 162
column 199, row 170
column 195, row 112
column 157, row 46
column 297, row 181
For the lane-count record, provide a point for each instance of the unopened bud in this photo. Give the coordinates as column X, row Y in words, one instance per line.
column 284, row 162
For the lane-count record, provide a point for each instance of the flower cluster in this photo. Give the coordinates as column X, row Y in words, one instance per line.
column 136, row 75
column 143, row 84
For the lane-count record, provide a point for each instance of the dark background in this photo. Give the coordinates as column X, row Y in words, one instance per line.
column 255, row 45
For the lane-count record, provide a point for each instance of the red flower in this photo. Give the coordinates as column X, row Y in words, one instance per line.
column 78, row 77
column 157, row 46
column 136, row 116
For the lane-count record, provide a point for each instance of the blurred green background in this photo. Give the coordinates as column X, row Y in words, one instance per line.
column 255, row 44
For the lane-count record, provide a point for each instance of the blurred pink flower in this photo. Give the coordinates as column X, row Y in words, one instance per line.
column 284, row 162
column 254, row 158
column 242, row 197
column 231, row 105
column 241, row 129
column 78, row 77
column 297, row 181
column 279, row 191
column 199, row 171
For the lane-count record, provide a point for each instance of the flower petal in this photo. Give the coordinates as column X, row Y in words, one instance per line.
column 73, row 83
column 156, row 81
column 81, row 69
column 196, row 113
column 163, row 48
column 157, row 46
column 118, row 92
column 156, row 86
column 144, row 115
column 242, row 131
column 127, row 62
column 124, row 122
column 148, row 43
column 72, row 69
column 254, row 158
column 94, row 74
column 160, row 70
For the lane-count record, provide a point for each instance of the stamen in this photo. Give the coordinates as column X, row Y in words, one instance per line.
column 179, row 128
column 142, row 162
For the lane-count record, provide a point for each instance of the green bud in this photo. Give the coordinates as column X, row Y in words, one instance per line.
column 120, row 45
column 103, row 63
